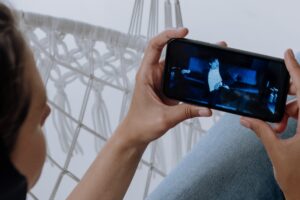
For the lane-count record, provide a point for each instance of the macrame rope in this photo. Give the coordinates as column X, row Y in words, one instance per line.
column 168, row 14
column 178, row 14
column 68, row 52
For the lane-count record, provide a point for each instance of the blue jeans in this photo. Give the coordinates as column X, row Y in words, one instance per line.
column 228, row 163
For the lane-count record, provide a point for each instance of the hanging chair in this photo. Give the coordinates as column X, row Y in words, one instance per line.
column 89, row 75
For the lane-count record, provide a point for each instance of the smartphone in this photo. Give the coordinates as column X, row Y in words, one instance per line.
column 226, row 79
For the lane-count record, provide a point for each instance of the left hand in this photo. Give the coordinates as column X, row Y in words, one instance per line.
column 151, row 114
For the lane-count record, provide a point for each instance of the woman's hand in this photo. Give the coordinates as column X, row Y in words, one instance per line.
column 284, row 154
column 151, row 114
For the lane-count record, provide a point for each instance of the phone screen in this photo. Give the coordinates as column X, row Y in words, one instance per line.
column 226, row 79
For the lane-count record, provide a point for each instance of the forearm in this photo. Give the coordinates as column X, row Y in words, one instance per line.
column 111, row 173
column 292, row 195
column 149, row 117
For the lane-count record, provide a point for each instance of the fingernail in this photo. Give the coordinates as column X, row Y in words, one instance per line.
column 204, row 112
column 245, row 123
column 291, row 53
column 179, row 29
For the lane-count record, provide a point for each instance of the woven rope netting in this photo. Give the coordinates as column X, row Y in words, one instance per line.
column 89, row 74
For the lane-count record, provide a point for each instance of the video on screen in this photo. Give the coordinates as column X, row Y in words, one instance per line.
column 238, row 83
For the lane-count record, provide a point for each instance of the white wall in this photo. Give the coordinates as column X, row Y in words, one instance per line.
column 265, row 26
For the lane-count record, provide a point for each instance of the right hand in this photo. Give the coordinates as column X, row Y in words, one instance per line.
column 284, row 153
column 151, row 114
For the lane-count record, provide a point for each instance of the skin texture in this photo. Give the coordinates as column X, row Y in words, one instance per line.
column 284, row 153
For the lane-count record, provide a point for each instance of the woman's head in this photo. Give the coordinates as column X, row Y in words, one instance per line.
column 23, row 107
column 14, row 102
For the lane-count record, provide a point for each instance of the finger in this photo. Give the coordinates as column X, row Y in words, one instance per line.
column 294, row 70
column 184, row 111
column 157, row 44
column 264, row 132
column 281, row 126
column 168, row 101
column 292, row 89
column 222, row 43
column 161, row 65
column 291, row 110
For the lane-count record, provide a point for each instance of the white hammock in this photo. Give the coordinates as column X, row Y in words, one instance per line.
column 89, row 75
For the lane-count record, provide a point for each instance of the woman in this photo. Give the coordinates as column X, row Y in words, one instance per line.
column 24, row 109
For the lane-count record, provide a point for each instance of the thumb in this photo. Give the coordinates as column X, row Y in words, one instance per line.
column 264, row 132
column 184, row 111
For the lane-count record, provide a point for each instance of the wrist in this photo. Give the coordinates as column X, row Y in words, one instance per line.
column 126, row 138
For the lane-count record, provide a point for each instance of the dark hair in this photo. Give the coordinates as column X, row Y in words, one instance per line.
column 14, row 98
